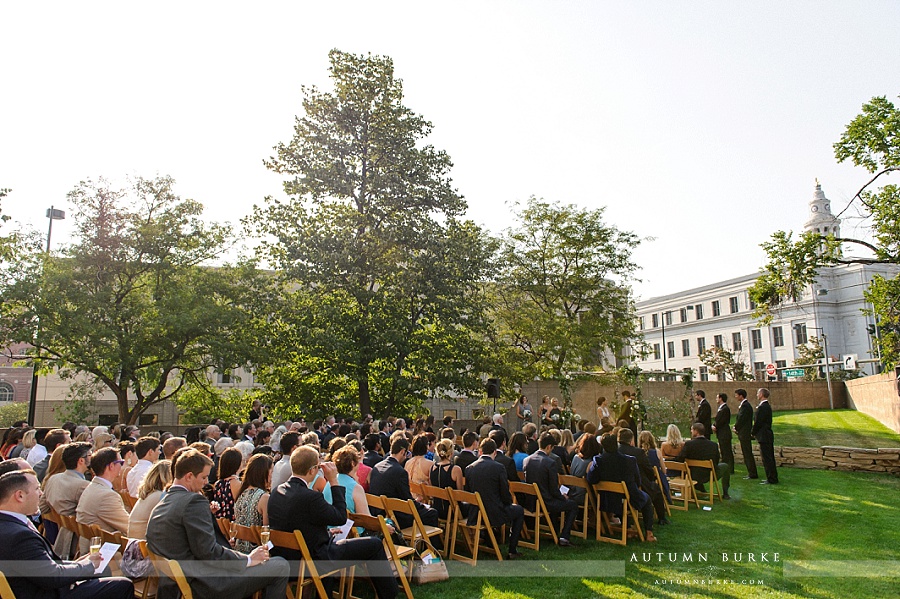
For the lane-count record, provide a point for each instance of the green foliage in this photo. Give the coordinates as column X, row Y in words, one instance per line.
column 721, row 361
column 13, row 412
column 385, row 299
column 564, row 302
column 812, row 353
column 202, row 403
column 132, row 301
column 660, row 412
column 872, row 139
column 884, row 295
column 81, row 398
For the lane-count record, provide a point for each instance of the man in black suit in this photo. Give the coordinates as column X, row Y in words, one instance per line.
column 31, row 566
column 470, row 451
column 743, row 424
column 701, row 448
column 704, row 413
column 613, row 466
column 296, row 506
column 762, row 431
column 722, row 428
column 501, row 458
column 542, row 469
column 488, row 478
column 384, row 432
column 372, row 445
column 390, row 479
column 530, row 432
column 646, row 471
column 182, row 528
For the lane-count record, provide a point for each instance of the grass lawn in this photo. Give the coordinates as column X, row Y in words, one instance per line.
column 815, row 428
column 812, row 516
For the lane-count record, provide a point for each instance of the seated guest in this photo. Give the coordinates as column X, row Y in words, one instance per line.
column 585, row 450
column 372, row 444
column 282, row 469
column 99, row 503
column 671, row 447
column 418, row 467
column 501, row 458
column 388, row 478
column 228, row 485
column 543, row 469
column 558, row 450
column 62, row 492
column 31, row 567
column 530, row 432
column 488, row 478
column 613, row 466
column 647, row 480
column 469, row 452
column 701, row 448
column 295, row 506
column 147, row 450
column 445, row 474
column 347, row 462
column 251, row 506
column 54, row 439
column 152, row 487
column 362, row 471
column 518, row 450
column 647, row 442
column 182, row 528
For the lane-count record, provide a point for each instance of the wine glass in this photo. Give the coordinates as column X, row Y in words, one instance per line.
column 96, row 543
column 264, row 534
column 233, row 530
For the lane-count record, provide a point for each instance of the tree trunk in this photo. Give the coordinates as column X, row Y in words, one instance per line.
column 365, row 403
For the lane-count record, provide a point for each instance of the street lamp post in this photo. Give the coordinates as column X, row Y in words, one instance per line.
column 797, row 327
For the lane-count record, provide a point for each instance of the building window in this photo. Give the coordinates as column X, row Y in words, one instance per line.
column 670, row 348
column 655, row 320
column 6, row 392
column 780, row 364
column 656, row 354
column 685, row 347
column 668, row 317
column 683, row 314
column 777, row 336
column 716, row 310
column 733, row 304
column 225, row 378
column 755, row 339
column 701, row 345
column 800, row 330
column 698, row 311
column 641, row 323
column 736, row 344
column 718, row 342
column 759, row 371
column 704, row 373
column 752, row 305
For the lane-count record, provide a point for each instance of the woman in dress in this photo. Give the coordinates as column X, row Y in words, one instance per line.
column 251, row 507
column 554, row 411
column 444, row 474
column 126, row 450
column 418, row 466
column 150, row 492
column 523, row 412
column 627, row 413
column 602, row 409
column 346, row 460
column 673, row 444
column 228, row 485
column 585, row 450
column 517, row 449
column 647, row 442
column 545, row 410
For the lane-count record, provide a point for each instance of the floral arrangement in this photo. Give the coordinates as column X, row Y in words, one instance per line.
column 526, row 414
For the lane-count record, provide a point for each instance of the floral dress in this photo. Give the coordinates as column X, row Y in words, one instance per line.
column 246, row 514
column 222, row 494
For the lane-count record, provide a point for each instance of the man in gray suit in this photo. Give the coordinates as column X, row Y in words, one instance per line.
column 182, row 528
column 62, row 492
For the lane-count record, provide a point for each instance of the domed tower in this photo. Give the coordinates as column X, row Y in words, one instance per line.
column 821, row 220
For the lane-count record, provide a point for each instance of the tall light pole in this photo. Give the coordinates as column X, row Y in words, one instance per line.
column 52, row 215
column 797, row 327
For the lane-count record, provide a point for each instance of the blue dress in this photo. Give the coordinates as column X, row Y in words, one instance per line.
column 349, row 484
column 654, row 461
column 519, row 459
column 326, row 492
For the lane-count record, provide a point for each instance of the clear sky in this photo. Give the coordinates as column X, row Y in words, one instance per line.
column 702, row 125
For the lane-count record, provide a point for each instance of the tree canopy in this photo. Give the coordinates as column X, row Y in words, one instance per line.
column 871, row 141
column 134, row 301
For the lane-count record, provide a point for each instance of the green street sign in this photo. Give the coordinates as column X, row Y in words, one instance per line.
column 793, row 373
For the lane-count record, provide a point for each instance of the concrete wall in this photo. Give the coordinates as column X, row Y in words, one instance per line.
column 877, row 397
column 811, row 395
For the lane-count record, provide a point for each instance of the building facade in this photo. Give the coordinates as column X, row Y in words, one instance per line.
column 678, row 327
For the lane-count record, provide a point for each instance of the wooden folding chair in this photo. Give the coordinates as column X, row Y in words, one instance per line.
column 681, row 486
column 713, row 481
column 541, row 516
column 127, row 499
column 5, row 590
column 375, row 501
column 416, row 489
column 471, row 533
column 309, row 573
column 418, row 532
column 663, row 490
column 521, row 476
column 432, row 493
column 576, row 482
column 395, row 554
column 605, row 522
column 169, row 568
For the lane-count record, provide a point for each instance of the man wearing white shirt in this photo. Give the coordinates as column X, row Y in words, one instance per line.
column 100, row 503
column 147, row 451
column 282, row 470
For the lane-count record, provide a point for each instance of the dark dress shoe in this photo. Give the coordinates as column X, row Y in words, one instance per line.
column 726, row 496
column 768, row 482
column 565, row 543
column 750, row 477
column 513, row 555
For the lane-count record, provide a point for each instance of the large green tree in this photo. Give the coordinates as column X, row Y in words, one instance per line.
column 382, row 276
column 134, row 300
column 564, row 301
column 871, row 141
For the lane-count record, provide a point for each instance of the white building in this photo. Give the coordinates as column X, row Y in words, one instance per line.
column 679, row 326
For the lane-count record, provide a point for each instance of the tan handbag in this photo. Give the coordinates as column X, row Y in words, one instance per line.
column 434, row 571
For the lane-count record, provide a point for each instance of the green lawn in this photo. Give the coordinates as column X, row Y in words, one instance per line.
column 815, row 428
column 812, row 516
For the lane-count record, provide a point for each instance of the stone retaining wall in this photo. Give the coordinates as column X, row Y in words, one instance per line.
column 833, row 458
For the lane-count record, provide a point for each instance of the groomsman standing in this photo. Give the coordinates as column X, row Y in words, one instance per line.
column 762, row 431
column 704, row 413
column 742, row 426
column 722, row 428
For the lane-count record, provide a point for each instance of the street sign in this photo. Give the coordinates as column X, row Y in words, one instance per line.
column 770, row 369
column 849, row 361
column 793, row 373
